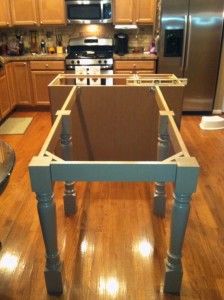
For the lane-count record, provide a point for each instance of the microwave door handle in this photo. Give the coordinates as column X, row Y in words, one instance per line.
column 184, row 44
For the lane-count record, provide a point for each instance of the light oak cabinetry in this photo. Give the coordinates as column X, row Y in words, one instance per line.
column 134, row 11
column 133, row 67
column 11, row 85
column 42, row 73
column 52, row 11
column 5, row 105
column 35, row 12
column 24, row 12
column 22, row 83
column 5, row 19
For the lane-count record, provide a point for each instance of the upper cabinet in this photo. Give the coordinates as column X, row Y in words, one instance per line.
column 145, row 11
column 24, row 12
column 32, row 12
column 123, row 11
column 52, row 11
column 4, row 13
column 134, row 11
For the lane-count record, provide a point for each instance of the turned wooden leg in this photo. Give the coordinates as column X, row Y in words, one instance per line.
column 40, row 176
column 186, row 181
column 70, row 199
column 67, row 153
column 47, row 216
column 162, row 153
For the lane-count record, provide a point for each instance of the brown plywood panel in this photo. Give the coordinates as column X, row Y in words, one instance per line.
column 115, row 123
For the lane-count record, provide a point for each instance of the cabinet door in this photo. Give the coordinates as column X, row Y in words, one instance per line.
column 4, row 13
column 123, row 11
column 24, row 12
column 10, row 82
column 22, row 83
column 52, row 11
column 4, row 97
column 41, row 80
column 145, row 13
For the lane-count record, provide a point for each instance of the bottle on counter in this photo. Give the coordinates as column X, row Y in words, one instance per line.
column 21, row 45
column 43, row 47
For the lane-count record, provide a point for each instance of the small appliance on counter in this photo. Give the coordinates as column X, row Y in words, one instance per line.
column 121, row 43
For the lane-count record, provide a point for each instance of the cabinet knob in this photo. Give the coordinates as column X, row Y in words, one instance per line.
column 34, row 23
column 7, row 23
column 134, row 66
column 46, row 65
column 24, row 64
column 41, row 22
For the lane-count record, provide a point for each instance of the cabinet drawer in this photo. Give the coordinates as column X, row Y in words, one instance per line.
column 47, row 65
column 135, row 64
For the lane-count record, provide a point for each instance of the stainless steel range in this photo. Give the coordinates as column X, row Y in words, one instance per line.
column 90, row 55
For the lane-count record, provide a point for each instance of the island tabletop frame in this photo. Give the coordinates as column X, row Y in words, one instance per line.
column 180, row 168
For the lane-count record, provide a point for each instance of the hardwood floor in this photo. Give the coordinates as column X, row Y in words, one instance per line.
column 113, row 248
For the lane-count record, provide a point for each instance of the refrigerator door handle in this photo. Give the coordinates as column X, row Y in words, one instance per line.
column 184, row 43
column 189, row 41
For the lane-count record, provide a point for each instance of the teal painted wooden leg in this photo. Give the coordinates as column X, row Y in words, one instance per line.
column 162, row 153
column 159, row 199
column 70, row 207
column 186, row 181
column 40, row 175
column 47, row 216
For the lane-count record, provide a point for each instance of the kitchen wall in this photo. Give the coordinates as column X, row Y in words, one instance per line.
column 138, row 37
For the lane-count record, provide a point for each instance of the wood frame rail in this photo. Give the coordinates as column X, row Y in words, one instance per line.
column 180, row 168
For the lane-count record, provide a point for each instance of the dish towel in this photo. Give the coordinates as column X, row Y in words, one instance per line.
column 94, row 70
column 80, row 70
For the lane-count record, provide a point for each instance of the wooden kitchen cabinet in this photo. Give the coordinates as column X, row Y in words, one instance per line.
column 5, row 106
column 10, row 83
column 145, row 11
column 134, row 11
column 140, row 67
column 22, row 83
column 42, row 73
column 52, row 11
column 24, row 12
column 5, row 19
column 123, row 12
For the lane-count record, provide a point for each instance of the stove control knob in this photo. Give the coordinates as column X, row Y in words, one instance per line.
column 78, row 62
column 100, row 61
column 105, row 61
column 72, row 62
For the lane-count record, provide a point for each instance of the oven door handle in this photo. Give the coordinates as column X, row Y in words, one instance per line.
column 105, row 68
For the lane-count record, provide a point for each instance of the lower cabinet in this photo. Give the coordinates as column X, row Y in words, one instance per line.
column 22, row 84
column 42, row 73
column 5, row 105
column 40, row 81
column 141, row 67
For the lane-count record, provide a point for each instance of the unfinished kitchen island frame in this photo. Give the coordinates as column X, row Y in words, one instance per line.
column 177, row 167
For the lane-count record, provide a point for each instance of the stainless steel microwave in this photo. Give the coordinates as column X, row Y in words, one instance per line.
column 89, row 12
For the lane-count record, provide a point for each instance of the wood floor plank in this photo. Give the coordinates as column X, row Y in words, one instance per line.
column 114, row 247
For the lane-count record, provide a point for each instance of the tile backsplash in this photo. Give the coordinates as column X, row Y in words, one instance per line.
column 140, row 37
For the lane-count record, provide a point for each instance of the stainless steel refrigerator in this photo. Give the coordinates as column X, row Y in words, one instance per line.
column 190, row 46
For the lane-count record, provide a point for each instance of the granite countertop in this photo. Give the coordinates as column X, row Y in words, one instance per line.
column 29, row 57
column 135, row 56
